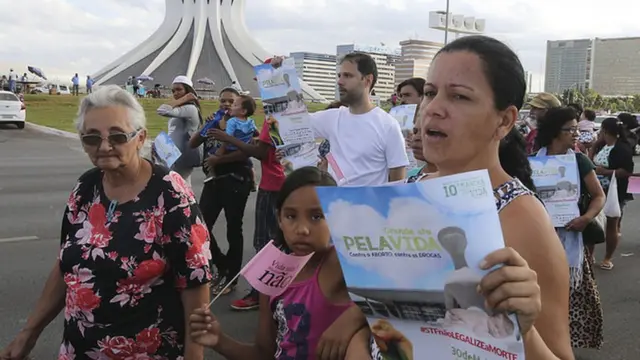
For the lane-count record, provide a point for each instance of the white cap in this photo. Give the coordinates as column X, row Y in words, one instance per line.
column 181, row 79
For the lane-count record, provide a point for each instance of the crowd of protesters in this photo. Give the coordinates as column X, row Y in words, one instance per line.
column 139, row 261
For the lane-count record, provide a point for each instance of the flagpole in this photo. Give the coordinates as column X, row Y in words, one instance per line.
column 224, row 288
column 238, row 274
column 446, row 26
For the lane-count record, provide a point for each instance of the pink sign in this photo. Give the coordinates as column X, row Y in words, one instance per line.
column 271, row 271
column 634, row 185
column 336, row 169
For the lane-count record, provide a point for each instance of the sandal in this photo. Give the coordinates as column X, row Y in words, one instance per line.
column 606, row 265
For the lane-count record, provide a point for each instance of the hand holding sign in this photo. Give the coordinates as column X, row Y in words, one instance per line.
column 275, row 61
column 511, row 288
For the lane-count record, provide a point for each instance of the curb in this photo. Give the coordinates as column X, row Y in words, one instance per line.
column 146, row 150
column 51, row 131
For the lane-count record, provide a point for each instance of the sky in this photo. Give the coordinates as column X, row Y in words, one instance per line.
column 67, row 36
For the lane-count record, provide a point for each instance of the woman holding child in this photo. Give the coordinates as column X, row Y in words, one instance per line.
column 227, row 187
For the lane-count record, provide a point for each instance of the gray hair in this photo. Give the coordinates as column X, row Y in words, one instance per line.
column 112, row 95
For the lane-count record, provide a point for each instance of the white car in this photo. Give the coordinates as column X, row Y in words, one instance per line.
column 12, row 110
column 62, row 89
column 597, row 123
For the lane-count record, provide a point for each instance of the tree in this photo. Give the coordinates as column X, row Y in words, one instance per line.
column 590, row 99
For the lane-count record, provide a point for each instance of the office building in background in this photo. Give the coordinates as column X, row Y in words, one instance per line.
column 568, row 65
column 416, row 57
column 318, row 71
column 610, row 67
column 386, row 60
column 528, row 77
column 616, row 66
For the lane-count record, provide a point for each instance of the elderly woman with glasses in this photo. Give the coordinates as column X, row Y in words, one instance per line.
column 134, row 257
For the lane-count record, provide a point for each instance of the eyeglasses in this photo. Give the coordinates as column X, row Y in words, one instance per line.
column 570, row 130
column 113, row 139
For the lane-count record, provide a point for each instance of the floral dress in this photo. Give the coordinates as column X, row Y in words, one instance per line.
column 125, row 266
column 602, row 159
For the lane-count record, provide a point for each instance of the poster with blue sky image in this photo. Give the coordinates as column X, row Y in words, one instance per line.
column 410, row 256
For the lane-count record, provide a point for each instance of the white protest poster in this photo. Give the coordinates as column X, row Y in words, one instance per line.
column 405, row 114
column 557, row 182
column 166, row 151
column 410, row 255
column 286, row 113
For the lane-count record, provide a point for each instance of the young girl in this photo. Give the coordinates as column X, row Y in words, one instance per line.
column 314, row 318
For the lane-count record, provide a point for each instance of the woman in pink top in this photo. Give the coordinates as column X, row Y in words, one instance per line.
column 314, row 318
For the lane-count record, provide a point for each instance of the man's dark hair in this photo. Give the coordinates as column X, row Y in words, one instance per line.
column 589, row 114
column 365, row 64
column 248, row 104
column 577, row 108
column 416, row 83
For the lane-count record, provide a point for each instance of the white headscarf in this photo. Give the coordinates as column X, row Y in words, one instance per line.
column 181, row 79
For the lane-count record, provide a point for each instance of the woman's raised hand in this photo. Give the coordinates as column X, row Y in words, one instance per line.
column 511, row 288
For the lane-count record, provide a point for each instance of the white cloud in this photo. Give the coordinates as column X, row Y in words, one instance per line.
column 346, row 219
column 68, row 36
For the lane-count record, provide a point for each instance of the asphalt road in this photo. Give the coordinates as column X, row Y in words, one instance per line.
column 38, row 171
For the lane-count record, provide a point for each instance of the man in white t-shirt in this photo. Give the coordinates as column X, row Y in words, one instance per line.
column 367, row 146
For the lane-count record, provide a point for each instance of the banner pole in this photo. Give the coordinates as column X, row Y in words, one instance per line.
column 224, row 288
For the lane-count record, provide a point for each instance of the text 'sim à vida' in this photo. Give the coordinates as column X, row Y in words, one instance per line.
column 394, row 243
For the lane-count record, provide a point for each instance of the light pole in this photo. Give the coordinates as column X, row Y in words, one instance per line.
column 446, row 26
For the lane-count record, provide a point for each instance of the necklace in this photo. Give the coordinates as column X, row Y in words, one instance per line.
column 114, row 203
column 112, row 210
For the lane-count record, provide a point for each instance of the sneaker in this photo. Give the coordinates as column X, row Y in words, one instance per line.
column 222, row 289
column 249, row 302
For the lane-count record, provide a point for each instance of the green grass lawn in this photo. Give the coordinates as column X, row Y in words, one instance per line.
column 59, row 111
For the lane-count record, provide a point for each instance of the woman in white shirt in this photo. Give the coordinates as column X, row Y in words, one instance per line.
column 185, row 119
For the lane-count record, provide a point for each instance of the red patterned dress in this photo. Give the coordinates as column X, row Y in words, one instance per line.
column 125, row 266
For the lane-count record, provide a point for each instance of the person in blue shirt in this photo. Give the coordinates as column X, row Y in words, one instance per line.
column 240, row 125
column 89, row 84
column 76, row 85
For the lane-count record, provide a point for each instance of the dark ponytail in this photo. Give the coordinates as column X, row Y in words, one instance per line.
column 614, row 127
column 514, row 159
column 189, row 90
